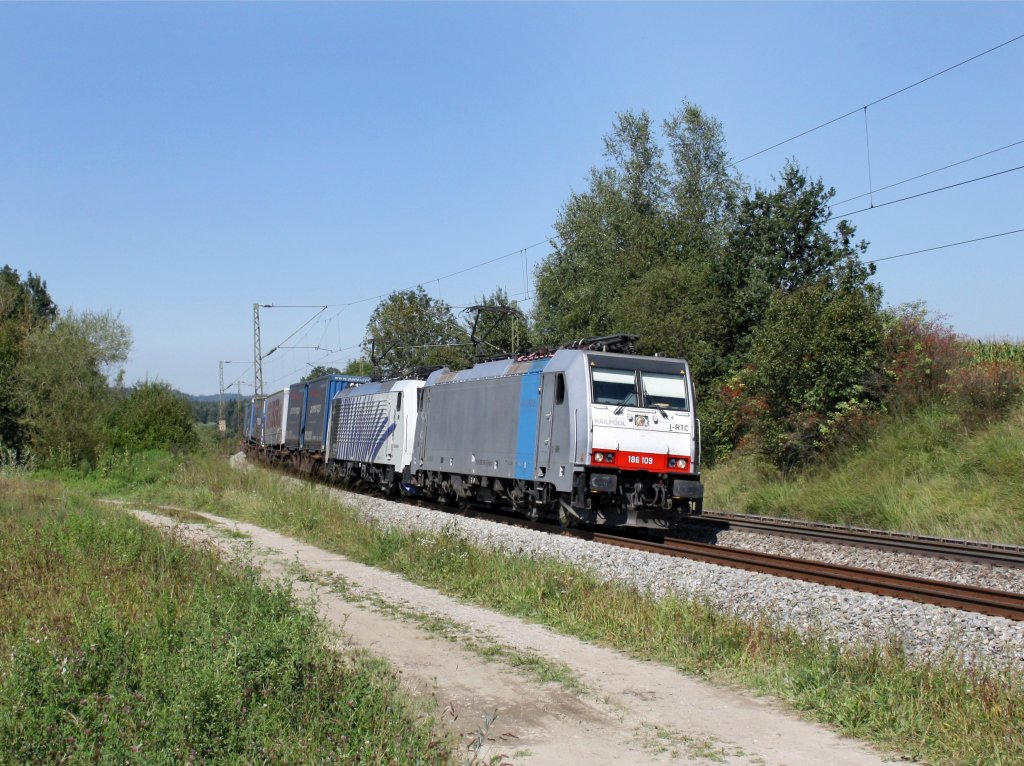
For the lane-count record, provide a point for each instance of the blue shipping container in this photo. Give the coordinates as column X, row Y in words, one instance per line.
column 316, row 411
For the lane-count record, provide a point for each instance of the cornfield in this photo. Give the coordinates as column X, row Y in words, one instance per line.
column 988, row 351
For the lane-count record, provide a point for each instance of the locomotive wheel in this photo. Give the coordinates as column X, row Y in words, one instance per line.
column 565, row 519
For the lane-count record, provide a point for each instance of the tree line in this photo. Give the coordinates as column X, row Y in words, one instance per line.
column 63, row 401
column 770, row 300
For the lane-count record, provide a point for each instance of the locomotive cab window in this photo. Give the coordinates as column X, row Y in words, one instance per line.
column 614, row 386
column 664, row 391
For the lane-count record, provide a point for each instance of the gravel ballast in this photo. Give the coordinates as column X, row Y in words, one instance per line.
column 847, row 617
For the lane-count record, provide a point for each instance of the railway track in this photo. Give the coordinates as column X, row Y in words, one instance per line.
column 944, row 594
column 949, row 595
column 959, row 550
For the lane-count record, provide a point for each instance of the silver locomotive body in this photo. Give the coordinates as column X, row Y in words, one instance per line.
column 582, row 435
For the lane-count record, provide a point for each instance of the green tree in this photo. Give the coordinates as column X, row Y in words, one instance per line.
column 636, row 252
column 359, row 366
column 319, row 371
column 780, row 243
column 62, row 386
column 705, row 191
column 814, row 359
column 410, row 329
column 607, row 237
column 24, row 305
column 153, row 416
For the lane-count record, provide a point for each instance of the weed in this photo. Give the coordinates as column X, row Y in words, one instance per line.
column 120, row 645
column 939, row 711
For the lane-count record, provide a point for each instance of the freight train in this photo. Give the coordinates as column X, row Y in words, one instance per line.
column 584, row 434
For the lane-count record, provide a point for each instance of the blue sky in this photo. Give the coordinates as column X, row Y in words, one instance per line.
column 177, row 162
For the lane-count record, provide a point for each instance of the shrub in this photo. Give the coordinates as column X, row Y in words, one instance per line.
column 919, row 351
column 153, row 416
column 817, row 351
column 985, row 392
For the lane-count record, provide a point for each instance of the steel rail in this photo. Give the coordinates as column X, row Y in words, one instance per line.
column 950, row 595
column 943, row 594
column 991, row 554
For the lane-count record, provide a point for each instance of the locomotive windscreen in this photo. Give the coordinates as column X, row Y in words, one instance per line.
column 614, row 386
column 664, row 391
column 640, row 388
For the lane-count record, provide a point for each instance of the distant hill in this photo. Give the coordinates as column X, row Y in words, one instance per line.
column 212, row 397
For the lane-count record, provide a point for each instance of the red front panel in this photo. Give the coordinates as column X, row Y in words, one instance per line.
column 639, row 461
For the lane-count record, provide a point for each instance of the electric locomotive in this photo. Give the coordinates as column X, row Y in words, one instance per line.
column 584, row 435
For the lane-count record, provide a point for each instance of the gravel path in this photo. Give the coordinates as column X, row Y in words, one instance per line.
column 629, row 712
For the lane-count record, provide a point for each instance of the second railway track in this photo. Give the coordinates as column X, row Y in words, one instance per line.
column 990, row 554
column 939, row 593
column 951, row 595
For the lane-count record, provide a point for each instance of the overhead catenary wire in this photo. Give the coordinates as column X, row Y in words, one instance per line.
column 432, row 280
column 930, row 172
column 926, row 193
column 521, row 252
column 318, row 313
column 886, row 97
column 943, row 247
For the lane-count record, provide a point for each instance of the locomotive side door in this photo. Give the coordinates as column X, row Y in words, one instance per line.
column 394, row 443
column 549, row 384
column 550, row 447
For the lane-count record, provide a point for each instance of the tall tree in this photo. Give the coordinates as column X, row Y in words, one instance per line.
column 634, row 253
column 359, row 366
column 607, row 237
column 781, row 242
column 705, row 191
column 62, row 385
column 24, row 305
column 411, row 329
column 319, row 371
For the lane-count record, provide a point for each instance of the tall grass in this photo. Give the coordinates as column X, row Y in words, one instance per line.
column 923, row 472
column 120, row 646
column 940, row 712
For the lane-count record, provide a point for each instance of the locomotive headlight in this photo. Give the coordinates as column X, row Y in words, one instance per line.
column 671, row 462
column 609, row 457
column 598, row 457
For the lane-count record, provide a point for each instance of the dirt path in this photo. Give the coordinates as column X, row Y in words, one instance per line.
column 477, row 662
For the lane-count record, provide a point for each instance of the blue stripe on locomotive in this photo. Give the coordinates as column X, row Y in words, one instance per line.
column 528, row 423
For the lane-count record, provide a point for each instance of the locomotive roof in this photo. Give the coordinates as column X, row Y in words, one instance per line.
column 559, row 361
column 501, row 368
column 378, row 387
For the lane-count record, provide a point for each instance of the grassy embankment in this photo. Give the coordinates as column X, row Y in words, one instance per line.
column 938, row 712
column 924, row 472
column 118, row 645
